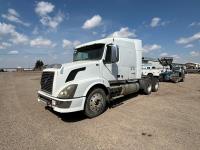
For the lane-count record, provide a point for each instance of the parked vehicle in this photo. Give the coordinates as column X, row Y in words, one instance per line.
column 2, row 70
column 175, row 74
column 151, row 71
column 101, row 71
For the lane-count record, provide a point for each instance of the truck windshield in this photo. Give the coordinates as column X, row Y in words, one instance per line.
column 92, row 52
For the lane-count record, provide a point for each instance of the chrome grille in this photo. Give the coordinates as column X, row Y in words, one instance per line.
column 47, row 82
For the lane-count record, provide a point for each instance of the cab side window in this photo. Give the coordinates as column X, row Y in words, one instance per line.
column 108, row 55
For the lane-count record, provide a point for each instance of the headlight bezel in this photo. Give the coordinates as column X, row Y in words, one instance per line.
column 68, row 92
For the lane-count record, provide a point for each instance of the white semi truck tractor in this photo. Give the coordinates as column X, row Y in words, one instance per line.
column 101, row 71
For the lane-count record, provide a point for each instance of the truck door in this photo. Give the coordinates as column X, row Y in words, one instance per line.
column 110, row 70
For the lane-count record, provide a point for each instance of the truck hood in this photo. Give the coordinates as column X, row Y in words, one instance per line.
column 78, row 64
column 74, row 73
column 73, row 65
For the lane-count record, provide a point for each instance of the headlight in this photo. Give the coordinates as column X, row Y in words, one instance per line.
column 68, row 92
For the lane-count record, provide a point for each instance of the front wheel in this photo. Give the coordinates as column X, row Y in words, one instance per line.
column 95, row 103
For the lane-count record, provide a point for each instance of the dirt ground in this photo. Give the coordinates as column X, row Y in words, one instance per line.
column 168, row 119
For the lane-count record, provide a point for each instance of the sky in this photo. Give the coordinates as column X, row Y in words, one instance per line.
column 49, row 30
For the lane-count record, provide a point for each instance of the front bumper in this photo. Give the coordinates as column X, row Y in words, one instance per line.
column 62, row 105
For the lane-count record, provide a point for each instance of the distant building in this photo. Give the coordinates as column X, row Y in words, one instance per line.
column 28, row 69
column 10, row 69
column 20, row 69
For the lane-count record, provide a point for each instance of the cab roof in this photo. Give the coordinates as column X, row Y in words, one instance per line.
column 107, row 41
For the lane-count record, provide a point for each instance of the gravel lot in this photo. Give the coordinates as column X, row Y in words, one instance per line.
column 168, row 119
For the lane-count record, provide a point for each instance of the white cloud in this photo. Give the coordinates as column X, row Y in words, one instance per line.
column 76, row 43
column 149, row 48
column 6, row 28
column 189, row 46
column 124, row 32
column 94, row 33
column 175, row 56
column 187, row 40
column 92, row 22
column 67, row 44
column 52, row 22
column 18, row 38
column 194, row 24
column 164, row 23
column 155, row 22
column 2, row 47
column 43, row 8
column 195, row 53
column 41, row 42
column 14, row 16
column 35, row 31
column 13, row 12
column 5, row 45
column 13, row 52
column 103, row 35
column 15, row 37
column 164, row 54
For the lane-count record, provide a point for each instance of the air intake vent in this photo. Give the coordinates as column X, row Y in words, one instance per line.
column 47, row 82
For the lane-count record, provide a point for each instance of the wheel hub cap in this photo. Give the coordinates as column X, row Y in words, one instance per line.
column 96, row 102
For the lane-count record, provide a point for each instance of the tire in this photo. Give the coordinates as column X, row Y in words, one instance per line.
column 95, row 103
column 161, row 78
column 147, row 86
column 150, row 75
column 182, row 80
column 175, row 80
column 155, row 84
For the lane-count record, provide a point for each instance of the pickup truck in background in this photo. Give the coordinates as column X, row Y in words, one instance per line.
column 151, row 71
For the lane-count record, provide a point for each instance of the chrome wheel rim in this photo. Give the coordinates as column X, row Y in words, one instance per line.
column 156, row 86
column 149, row 88
column 96, row 102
